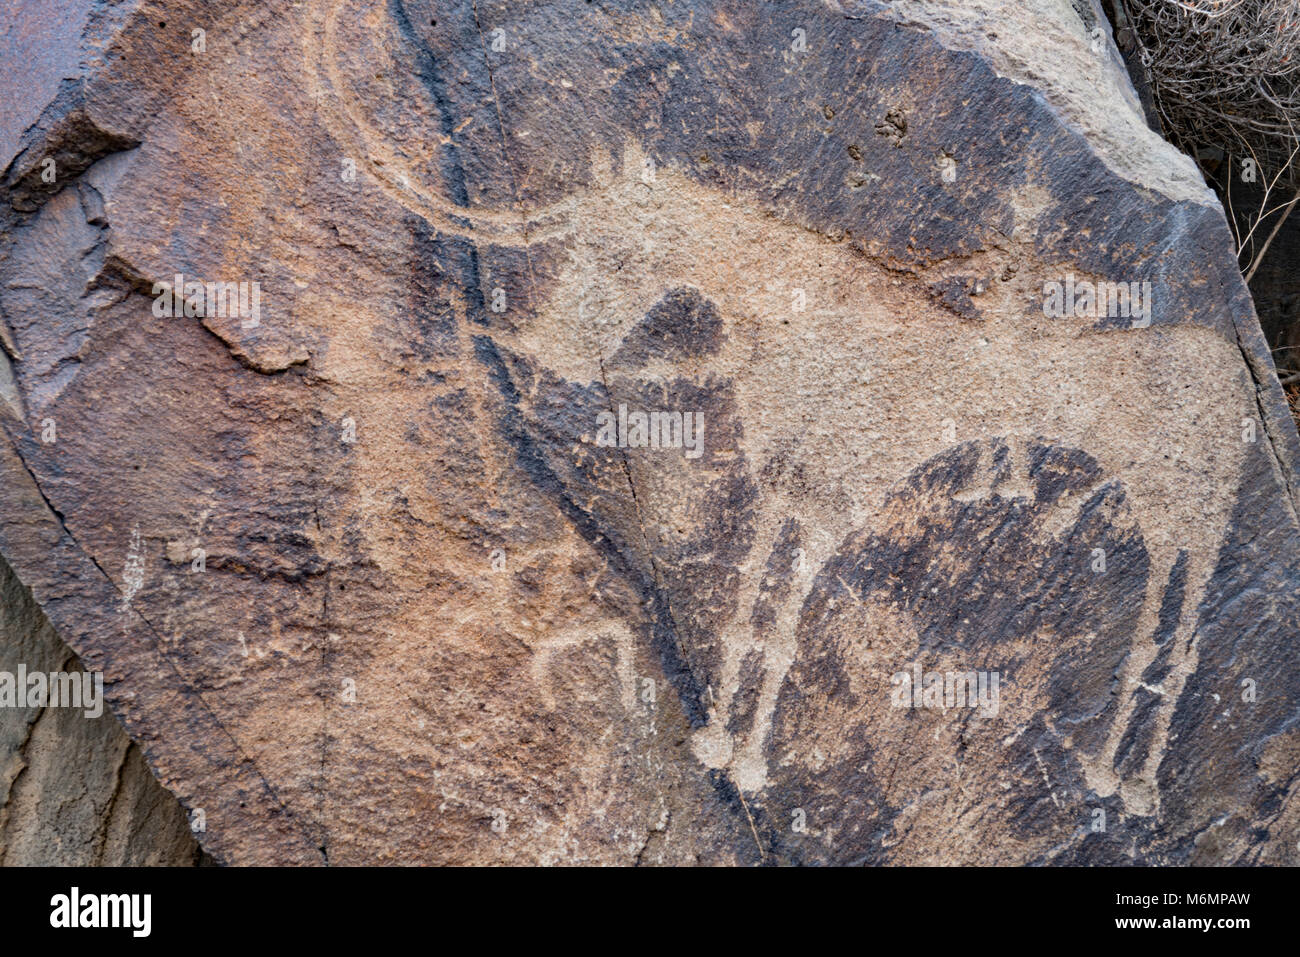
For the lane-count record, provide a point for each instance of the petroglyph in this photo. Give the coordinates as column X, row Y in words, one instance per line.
column 545, row 653
column 476, row 232
column 848, row 426
column 377, row 44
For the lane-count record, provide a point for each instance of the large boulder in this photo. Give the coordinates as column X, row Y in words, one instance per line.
column 378, row 568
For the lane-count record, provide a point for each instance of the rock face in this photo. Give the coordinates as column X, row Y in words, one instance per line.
column 74, row 789
column 377, row 568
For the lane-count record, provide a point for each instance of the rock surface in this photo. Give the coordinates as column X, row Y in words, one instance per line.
column 74, row 790
column 365, row 584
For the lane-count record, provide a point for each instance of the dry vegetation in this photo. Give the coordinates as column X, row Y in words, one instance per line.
column 1225, row 79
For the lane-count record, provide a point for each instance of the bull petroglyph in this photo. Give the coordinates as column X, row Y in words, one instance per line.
column 742, row 627
column 621, row 416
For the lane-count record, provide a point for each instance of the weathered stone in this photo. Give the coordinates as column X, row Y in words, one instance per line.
column 74, row 789
column 433, row 619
